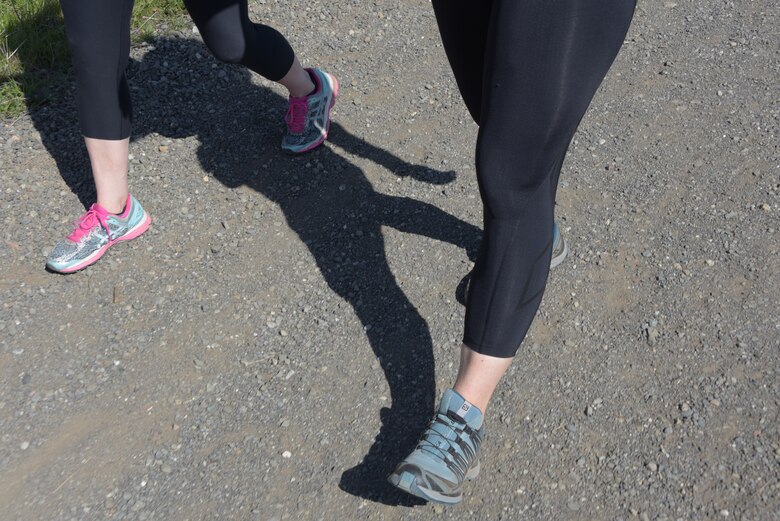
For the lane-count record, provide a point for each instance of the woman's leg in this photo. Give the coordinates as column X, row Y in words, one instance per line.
column 298, row 81
column 544, row 61
column 233, row 38
column 108, row 159
column 543, row 65
column 99, row 40
column 478, row 376
column 463, row 26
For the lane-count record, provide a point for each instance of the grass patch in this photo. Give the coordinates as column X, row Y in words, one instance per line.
column 33, row 53
column 34, row 60
column 150, row 16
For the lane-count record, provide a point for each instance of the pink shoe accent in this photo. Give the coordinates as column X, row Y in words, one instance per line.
column 96, row 214
column 296, row 115
column 128, row 204
column 134, row 232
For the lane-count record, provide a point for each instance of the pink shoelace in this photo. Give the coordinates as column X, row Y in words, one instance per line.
column 95, row 215
column 296, row 115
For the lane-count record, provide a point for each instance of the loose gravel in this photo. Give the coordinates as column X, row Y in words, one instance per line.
column 277, row 340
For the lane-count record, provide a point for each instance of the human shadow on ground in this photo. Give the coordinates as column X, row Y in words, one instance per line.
column 179, row 92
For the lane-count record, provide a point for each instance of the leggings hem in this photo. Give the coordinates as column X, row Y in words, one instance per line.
column 104, row 137
column 488, row 349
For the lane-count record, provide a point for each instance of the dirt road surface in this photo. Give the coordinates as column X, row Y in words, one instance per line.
column 275, row 343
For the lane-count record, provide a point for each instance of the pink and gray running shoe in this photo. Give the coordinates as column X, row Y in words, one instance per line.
column 95, row 232
column 308, row 118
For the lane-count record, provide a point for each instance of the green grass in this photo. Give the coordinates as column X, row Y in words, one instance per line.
column 148, row 15
column 34, row 61
column 33, row 52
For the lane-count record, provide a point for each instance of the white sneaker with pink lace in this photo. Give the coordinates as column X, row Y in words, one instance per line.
column 95, row 232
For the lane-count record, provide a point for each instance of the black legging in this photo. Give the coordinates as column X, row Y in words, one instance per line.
column 527, row 70
column 99, row 39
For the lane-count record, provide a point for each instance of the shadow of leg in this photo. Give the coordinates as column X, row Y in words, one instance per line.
column 339, row 217
column 402, row 344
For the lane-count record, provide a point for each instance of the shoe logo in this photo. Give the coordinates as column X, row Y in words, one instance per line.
column 463, row 409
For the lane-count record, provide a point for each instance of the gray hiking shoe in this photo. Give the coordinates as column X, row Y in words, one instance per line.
column 446, row 455
column 308, row 118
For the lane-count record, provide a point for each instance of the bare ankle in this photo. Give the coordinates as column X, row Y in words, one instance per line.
column 303, row 90
column 115, row 206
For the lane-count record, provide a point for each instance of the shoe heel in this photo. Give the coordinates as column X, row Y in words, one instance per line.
column 562, row 256
column 404, row 481
column 138, row 229
column 334, row 89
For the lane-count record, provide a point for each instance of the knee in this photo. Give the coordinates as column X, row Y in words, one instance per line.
column 509, row 179
column 518, row 168
column 226, row 48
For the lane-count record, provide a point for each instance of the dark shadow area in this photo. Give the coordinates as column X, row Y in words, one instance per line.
column 332, row 208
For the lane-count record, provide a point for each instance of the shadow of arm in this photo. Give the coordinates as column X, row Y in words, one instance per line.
column 354, row 145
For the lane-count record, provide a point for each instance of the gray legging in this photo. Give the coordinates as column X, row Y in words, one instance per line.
column 99, row 39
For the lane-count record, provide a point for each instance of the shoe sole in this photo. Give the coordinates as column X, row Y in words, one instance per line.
column 134, row 232
column 334, row 85
column 405, row 481
column 561, row 256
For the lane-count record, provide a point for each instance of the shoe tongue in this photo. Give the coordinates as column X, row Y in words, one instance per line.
column 453, row 404
column 99, row 210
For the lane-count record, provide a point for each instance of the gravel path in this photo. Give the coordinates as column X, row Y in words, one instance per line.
column 276, row 341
